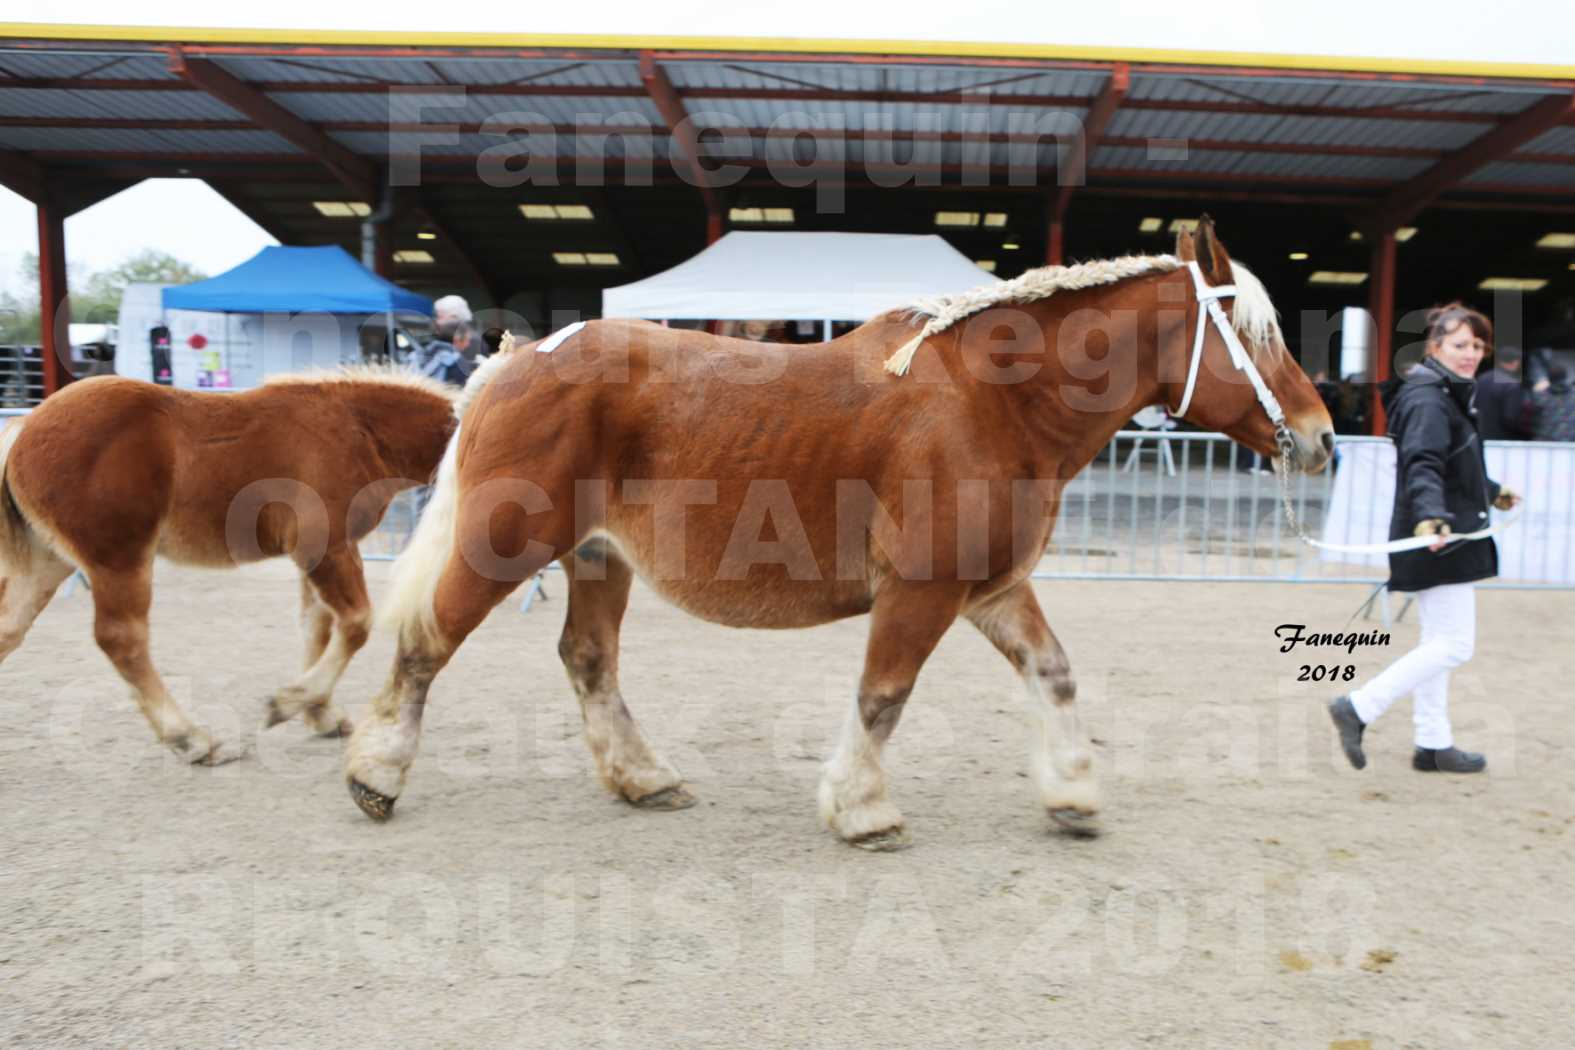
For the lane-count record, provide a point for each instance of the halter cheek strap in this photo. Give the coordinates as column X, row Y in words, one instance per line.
column 1209, row 309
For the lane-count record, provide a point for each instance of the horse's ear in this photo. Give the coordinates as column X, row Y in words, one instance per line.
column 1186, row 245
column 1210, row 253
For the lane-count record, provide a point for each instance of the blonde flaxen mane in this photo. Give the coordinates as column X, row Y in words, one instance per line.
column 1253, row 315
column 384, row 374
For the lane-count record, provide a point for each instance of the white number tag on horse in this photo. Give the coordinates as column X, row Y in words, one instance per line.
column 558, row 338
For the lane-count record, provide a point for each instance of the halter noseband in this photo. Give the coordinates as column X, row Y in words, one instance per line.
column 1209, row 308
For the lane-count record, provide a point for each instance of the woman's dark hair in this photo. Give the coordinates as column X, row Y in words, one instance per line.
column 1441, row 320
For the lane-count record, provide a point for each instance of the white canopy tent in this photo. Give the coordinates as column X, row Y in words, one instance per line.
column 747, row 276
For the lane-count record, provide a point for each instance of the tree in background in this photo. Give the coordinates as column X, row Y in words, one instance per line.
column 94, row 299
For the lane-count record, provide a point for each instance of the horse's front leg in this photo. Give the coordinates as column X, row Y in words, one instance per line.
column 1059, row 751
column 907, row 621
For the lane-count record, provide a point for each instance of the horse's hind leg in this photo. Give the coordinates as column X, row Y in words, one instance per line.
column 907, row 621
column 336, row 627
column 1060, row 754
column 317, row 623
column 383, row 746
column 627, row 763
column 121, row 598
column 24, row 592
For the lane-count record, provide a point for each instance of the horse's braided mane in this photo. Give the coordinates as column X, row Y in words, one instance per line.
column 1253, row 316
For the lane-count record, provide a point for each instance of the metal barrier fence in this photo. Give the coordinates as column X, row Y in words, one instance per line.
column 392, row 533
column 1199, row 507
column 21, row 377
column 1180, row 506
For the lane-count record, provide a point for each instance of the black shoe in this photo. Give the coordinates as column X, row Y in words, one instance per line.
column 1447, row 760
column 1350, row 726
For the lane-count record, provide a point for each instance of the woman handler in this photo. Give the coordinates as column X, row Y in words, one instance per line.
column 1441, row 487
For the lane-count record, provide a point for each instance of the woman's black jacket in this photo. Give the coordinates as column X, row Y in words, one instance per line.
column 1439, row 473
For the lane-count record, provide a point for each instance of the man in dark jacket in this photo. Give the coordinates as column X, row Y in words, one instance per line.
column 1501, row 398
column 1553, row 407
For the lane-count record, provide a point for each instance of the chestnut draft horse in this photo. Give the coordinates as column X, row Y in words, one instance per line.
column 762, row 486
column 110, row 472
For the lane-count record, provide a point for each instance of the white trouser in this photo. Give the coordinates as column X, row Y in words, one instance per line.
column 1449, row 630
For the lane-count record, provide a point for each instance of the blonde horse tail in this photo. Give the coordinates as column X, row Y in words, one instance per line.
column 409, row 608
column 16, row 539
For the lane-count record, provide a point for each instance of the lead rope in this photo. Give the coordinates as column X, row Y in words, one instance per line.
column 1287, row 445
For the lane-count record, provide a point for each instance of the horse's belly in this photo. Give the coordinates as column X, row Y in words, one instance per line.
column 765, row 595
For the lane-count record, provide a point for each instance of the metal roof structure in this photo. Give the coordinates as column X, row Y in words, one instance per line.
column 661, row 143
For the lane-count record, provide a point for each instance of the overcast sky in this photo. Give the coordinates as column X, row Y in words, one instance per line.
column 180, row 216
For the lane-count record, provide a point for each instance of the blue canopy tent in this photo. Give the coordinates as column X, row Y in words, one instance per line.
column 298, row 280
column 295, row 309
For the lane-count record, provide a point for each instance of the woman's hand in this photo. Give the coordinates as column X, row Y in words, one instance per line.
column 1437, row 528
column 1507, row 498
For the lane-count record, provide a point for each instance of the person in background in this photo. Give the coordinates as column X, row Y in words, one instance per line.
column 1441, row 485
column 445, row 358
column 1501, row 398
column 1353, row 401
column 1553, row 407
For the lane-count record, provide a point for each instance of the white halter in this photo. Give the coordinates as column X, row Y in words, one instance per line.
column 1209, row 297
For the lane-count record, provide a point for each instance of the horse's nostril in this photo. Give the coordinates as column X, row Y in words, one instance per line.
column 1327, row 438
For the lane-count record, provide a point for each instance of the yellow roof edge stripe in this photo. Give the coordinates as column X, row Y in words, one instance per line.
column 803, row 45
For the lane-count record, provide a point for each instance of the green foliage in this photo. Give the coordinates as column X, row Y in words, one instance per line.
column 95, row 298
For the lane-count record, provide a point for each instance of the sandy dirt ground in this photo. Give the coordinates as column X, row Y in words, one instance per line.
column 1250, row 891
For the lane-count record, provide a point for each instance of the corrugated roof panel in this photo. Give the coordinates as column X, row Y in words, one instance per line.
column 130, row 141
column 575, row 72
column 36, row 64
column 1559, row 140
column 135, row 67
column 591, row 111
column 1149, row 123
column 1334, row 91
column 125, row 65
column 1560, row 176
column 441, row 106
column 171, row 105
column 802, row 152
column 330, row 69
column 991, row 81
column 1457, row 98
column 1267, row 165
column 789, row 76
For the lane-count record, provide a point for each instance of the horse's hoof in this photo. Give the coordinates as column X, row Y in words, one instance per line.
column 272, row 716
column 220, row 754
column 667, row 798
column 1076, row 822
column 200, row 749
column 889, row 841
column 374, row 804
column 342, row 731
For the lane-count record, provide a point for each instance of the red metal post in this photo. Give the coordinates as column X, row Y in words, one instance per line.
column 1381, row 304
column 53, row 300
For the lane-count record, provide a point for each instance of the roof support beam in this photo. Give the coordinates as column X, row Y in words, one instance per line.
column 1381, row 307
column 1074, row 172
column 355, row 172
column 668, row 103
column 54, row 300
column 22, row 175
column 1403, row 203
